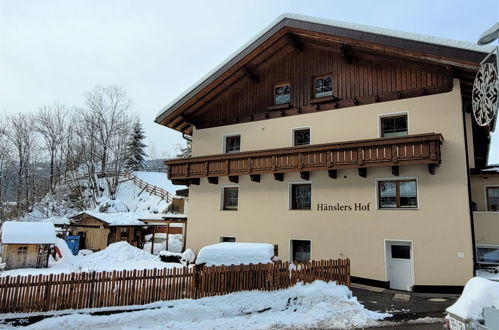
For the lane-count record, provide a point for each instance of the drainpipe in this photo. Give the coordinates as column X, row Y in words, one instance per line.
column 470, row 199
column 187, row 137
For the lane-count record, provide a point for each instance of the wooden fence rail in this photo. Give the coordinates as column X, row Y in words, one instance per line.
column 152, row 189
column 26, row 294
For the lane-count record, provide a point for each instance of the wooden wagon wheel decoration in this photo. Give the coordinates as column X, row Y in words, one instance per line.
column 485, row 94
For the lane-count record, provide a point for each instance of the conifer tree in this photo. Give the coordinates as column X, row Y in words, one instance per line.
column 136, row 148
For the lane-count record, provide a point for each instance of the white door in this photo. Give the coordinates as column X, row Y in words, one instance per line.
column 399, row 257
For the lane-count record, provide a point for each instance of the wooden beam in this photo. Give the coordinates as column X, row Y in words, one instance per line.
column 279, row 176
column 363, row 172
column 346, row 53
column 294, row 41
column 213, row 180
column 255, row 177
column 333, row 174
column 251, row 74
column 432, row 168
column 395, row 170
column 234, row 178
column 305, row 175
column 194, row 181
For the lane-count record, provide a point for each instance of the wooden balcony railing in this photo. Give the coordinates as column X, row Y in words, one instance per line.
column 394, row 152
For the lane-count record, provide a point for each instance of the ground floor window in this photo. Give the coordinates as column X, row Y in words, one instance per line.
column 397, row 194
column 300, row 250
column 487, row 254
column 230, row 197
column 227, row 239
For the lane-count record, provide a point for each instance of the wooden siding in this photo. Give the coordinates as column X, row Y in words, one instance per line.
column 406, row 150
column 35, row 257
column 96, row 239
column 366, row 79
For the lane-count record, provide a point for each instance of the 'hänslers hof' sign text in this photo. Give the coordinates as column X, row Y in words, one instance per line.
column 343, row 207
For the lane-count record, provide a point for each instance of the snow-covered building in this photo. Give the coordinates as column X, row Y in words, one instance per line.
column 332, row 140
column 26, row 244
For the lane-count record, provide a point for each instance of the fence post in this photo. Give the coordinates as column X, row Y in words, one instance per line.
column 48, row 287
column 92, row 287
column 348, row 273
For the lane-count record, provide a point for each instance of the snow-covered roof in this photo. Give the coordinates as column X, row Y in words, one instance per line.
column 28, row 233
column 57, row 220
column 235, row 254
column 259, row 38
column 117, row 219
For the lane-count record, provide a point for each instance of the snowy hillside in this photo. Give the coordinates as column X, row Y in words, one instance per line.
column 159, row 180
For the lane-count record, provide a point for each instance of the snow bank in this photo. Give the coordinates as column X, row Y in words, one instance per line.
column 477, row 294
column 28, row 233
column 107, row 205
column 235, row 254
column 120, row 252
column 316, row 305
column 188, row 256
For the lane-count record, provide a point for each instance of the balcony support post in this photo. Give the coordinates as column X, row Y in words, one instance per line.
column 255, row 177
column 363, row 172
column 333, row 174
column 279, row 176
column 234, row 178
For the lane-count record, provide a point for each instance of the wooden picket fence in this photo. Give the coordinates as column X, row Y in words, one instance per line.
column 152, row 189
column 26, row 294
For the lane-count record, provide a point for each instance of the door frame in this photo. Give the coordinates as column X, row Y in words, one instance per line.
column 387, row 261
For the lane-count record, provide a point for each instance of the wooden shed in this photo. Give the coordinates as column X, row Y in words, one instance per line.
column 98, row 230
column 27, row 244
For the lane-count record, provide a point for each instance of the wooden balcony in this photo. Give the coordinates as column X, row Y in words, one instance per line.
column 394, row 152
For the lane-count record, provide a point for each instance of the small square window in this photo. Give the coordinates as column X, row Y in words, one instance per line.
column 394, row 126
column 493, row 199
column 300, row 250
column 301, row 196
column 397, row 194
column 22, row 250
column 124, row 233
column 230, row 198
column 282, row 94
column 232, row 143
column 301, row 137
column 226, row 239
column 323, row 86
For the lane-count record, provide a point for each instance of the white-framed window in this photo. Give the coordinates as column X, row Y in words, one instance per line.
column 232, row 143
column 301, row 136
column 282, row 94
column 301, row 250
column 227, row 239
column 323, row 86
column 394, row 124
column 300, row 195
column 397, row 193
column 492, row 198
column 229, row 198
column 487, row 254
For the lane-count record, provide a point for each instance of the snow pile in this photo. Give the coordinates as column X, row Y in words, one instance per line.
column 117, row 256
column 28, row 233
column 174, row 243
column 57, row 220
column 477, row 294
column 316, row 305
column 235, row 254
column 106, row 205
column 188, row 256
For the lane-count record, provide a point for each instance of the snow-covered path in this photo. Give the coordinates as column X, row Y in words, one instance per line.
column 316, row 305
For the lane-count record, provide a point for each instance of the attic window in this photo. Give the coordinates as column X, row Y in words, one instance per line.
column 323, row 86
column 282, row 94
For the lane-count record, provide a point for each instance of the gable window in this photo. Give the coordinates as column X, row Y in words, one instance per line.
column 301, row 196
column 492, row 199
column 301, row 137
column 394, row 126
column 282, row 94
column 300, row 250
column 230, row 197
column 323, row 86
column 226, row 239
column 232, row 143
column 397, row 194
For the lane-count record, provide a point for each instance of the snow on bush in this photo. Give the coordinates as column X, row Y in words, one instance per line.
column 316, row 305
column 120, row 251
column 106, row 205
column 477, row 294
column 235, row 254
column 188, row 256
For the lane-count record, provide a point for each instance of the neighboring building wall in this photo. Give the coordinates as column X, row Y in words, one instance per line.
column 263, row 214
column 486, row 223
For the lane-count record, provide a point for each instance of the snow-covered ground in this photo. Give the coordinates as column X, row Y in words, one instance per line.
column 159, row 180
column 117, row 256
column 316, row 305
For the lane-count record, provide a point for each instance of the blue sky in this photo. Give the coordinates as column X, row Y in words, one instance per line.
column 56, row 50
